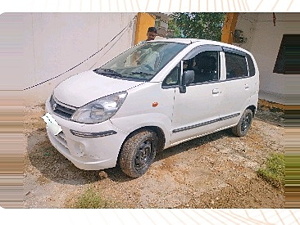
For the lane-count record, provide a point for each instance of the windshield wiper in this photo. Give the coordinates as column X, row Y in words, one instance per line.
column 143, row 73
column 108, row 72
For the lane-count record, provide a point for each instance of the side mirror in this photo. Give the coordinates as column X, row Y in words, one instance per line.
column 186, row 78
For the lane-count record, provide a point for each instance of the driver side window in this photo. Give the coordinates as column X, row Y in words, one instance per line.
column 206, row 66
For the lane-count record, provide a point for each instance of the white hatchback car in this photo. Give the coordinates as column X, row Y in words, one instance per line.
column 153, row 96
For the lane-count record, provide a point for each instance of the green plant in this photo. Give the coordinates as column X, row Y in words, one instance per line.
column 90, row 200
column 274, row 170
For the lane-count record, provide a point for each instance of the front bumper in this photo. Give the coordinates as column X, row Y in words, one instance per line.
column 84, row 151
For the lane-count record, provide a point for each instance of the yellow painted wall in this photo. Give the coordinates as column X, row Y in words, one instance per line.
column 229, row 27
column 144, row 20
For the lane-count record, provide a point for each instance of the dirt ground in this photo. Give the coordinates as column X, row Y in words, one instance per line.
column 215, row 171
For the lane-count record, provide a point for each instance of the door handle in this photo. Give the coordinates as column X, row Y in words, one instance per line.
column 246, row 86
column 215, row 91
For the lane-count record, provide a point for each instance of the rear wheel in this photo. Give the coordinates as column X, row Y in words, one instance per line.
column 138, row 153
column 244, row 124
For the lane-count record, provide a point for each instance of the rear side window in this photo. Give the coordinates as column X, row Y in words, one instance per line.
column 236, row 66
column 251, row 65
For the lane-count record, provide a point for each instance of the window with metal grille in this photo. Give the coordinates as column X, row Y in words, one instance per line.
column 288, row 58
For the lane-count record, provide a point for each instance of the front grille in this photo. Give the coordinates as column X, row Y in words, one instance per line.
column 61, row 109
column 62, row 139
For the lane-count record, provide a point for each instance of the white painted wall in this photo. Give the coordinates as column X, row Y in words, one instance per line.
column 263, row 40
column 247, row 23
column 43, row 45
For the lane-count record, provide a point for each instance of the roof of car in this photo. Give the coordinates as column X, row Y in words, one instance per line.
column 182, row 40
column 200, row 41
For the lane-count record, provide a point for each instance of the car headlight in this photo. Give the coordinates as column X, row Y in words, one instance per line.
column 99, row 110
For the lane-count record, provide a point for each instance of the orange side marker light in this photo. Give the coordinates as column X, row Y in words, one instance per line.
column 154, row 104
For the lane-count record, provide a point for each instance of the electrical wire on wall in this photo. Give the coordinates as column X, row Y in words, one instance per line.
column 110, row 48
column 121, row 33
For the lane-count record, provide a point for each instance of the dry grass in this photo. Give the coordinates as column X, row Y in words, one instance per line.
column 90, row 199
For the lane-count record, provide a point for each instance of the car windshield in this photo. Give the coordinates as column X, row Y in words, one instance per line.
column 141, row 62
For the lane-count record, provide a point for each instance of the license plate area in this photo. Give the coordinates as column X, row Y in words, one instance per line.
column 51, row 123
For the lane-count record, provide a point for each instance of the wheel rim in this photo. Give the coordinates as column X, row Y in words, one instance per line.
column 143, row 155
column 246, row 122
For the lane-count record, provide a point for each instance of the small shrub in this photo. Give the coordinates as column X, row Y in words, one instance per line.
column 90, row 200
column 274, row 170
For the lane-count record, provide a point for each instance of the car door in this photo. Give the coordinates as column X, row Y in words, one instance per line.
column 196, row 112
column 237, row 87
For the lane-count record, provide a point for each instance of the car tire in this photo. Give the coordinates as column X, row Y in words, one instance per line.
column 138, row 153
column 241, row 129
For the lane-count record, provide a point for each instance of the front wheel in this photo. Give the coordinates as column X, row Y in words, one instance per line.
column 244, row 124
column 138, row 153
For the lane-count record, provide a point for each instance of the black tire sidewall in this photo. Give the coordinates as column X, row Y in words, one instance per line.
column 241, row 132
column 130, row 150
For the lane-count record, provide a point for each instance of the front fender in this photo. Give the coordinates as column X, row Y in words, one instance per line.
column 129, row 124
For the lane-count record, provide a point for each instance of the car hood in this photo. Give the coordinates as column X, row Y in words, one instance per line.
column 85, row 87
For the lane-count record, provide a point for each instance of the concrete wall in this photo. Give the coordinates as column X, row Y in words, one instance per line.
column 49, row 44
column 263, row 40
column 247, row 23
